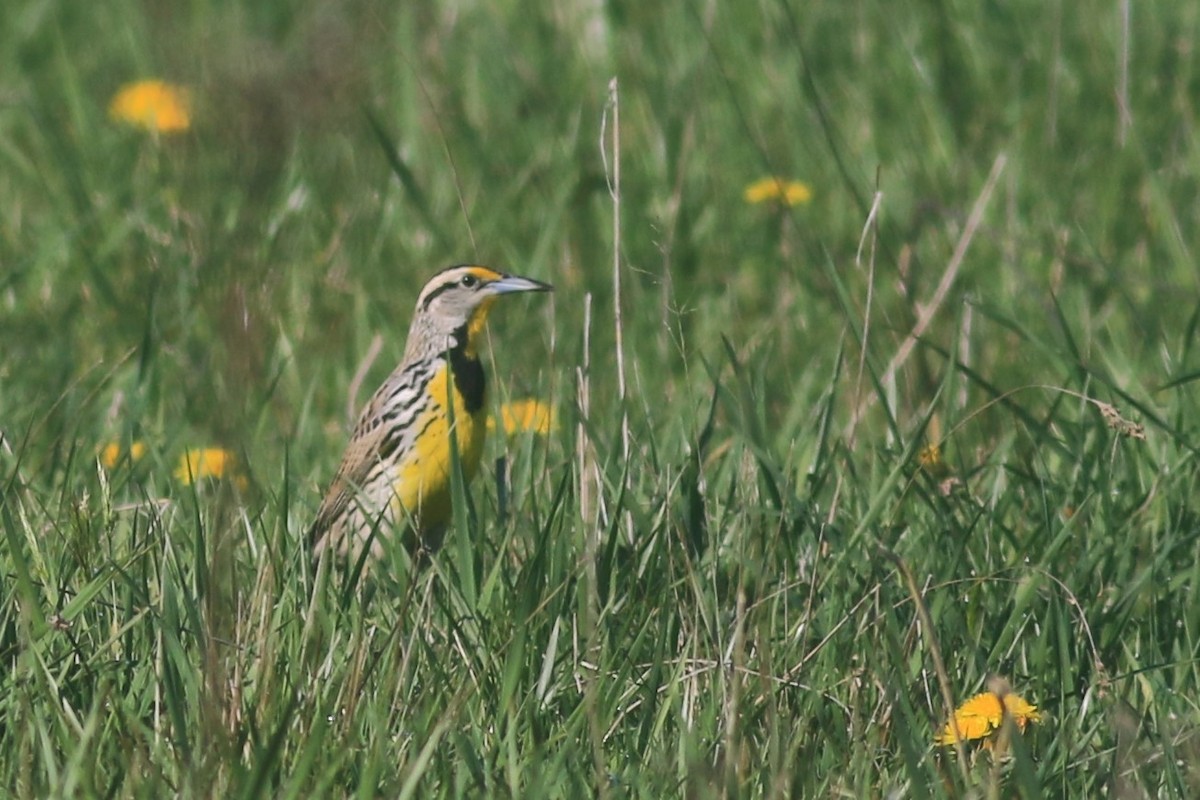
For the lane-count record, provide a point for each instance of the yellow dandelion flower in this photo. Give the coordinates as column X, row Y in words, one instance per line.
column 525, row 415
column 788, row 193
column 111, row 453
column 983, row 715
column 930, row 457
column 153, row 105
column 205, row 462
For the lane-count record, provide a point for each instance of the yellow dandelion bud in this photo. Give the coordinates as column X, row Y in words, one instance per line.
column 983, row 715
column 525, row 415
column 152, row 105
column 788, row 193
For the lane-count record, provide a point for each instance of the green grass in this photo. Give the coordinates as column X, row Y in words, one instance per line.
column 724, row 612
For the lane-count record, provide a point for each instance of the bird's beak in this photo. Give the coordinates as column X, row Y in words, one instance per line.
column 513, row 283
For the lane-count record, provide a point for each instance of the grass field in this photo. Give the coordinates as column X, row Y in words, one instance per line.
column 931, row 430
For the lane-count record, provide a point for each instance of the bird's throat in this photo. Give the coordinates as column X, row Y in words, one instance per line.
column 474, row 328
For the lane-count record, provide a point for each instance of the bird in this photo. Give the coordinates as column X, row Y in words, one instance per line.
column 397, row 465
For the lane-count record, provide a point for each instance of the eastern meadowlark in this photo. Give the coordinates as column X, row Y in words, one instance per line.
column 396, row 468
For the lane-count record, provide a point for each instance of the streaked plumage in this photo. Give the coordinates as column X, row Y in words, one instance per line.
column 396, row 468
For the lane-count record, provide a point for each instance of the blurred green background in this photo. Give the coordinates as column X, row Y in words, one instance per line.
column 998, row 245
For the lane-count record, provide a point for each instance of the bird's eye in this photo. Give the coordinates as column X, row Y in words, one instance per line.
column 469, row 281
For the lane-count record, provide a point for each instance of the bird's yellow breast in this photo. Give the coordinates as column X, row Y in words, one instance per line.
column 422, row 480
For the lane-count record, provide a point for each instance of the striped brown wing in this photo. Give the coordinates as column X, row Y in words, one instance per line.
column 363, row 486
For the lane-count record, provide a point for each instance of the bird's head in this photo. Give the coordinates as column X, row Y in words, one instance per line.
column 457, row 299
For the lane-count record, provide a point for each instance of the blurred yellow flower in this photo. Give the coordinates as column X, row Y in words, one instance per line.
column 525, row 415
column 206, row 462
column 788, row 193
column 930, row 456
column 110, row 456
column 153, row 105
column 983, row 715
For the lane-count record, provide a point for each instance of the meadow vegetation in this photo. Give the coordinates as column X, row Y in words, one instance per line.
column 925, row 431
